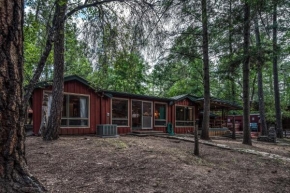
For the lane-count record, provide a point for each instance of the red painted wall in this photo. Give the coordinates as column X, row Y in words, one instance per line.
column 239, row 118
column 178, row 129
column 125, row 130
column 100, row 108
column 73, row 87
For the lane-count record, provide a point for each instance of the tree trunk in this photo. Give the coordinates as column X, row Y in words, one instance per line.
column 30, row 87
column 260, row 80
column 246, row 77
column 233, row 84
column 14, row 174
column 206, row 106
column 275, row 74
column 48, row 46
column 54, row 120
column 253, row 91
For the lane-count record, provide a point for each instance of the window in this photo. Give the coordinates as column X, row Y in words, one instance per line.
column 184, row 116
column 120, row 112
column 75, row 111
column 160, row 114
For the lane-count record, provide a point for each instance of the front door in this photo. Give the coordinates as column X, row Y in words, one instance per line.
column 141, row 115
column 147, row 115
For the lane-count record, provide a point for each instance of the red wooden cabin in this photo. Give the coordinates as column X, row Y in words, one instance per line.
column 254, row 118
column 84, row 109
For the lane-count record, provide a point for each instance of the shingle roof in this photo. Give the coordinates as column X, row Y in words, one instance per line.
column 43, row 84
column 223, row 102
column 184, row 96
column 131, row 95
column 110, row 94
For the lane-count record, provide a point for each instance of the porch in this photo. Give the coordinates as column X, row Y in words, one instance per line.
column 218, row 123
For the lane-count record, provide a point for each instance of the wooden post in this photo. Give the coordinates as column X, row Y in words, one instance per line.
column 196, row 145
column 227, row 112
column 234, row 127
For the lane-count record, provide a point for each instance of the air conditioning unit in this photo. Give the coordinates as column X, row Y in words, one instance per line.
column 107, row 130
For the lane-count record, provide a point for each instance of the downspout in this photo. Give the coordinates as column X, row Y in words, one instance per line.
column 172, row 118
column 101, row 100
column 101, row 97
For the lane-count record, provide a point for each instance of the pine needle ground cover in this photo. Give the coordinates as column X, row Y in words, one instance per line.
column 150, row 164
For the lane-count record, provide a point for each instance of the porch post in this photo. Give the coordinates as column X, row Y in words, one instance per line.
column 196, row 145
column 234, row 127
column 226, row 117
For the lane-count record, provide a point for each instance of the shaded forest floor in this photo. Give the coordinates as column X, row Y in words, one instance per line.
column 151, row 164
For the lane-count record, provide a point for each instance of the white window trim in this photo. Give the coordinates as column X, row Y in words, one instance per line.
column 193, row 113
column 89, row 109
column 128, row 125
column 166, row 111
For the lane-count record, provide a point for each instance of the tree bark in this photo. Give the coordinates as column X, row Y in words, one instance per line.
column 233, row 84
column 206, row 106
column 260, row 62
column 30, row 87
column 14, row 174
column 48, row 46
column 275, row 74
column 253, row 91
column 246, row 76
column 54, row 120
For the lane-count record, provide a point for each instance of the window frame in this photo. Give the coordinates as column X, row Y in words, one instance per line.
column 67, row 110
column 166, row 115
column 128, row 125
column 193, row 114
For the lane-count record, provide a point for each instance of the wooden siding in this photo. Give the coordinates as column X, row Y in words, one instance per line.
column 73, row 87
column 239, row 119
column 180, row 129
column 128, row 129
column 100, row 108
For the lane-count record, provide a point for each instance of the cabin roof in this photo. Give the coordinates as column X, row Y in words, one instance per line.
column 185, row 96
column 216, row 103
column 111, row 94
column 44, row 84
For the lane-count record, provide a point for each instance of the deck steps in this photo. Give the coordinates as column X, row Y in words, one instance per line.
column 239, row 135
column 147, row 133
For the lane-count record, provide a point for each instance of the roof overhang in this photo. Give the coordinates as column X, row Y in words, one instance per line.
column 44, row 84
column 220, row 104
column 112, row 94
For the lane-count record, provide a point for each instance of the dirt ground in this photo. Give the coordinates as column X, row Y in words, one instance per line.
column 150, row 164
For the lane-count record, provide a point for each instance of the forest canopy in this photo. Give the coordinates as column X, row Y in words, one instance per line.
column 121, row 47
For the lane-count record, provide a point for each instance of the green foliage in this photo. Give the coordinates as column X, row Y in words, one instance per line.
column 127, row 74
column 108, row 53
column 76, row 61
column 34, row 36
